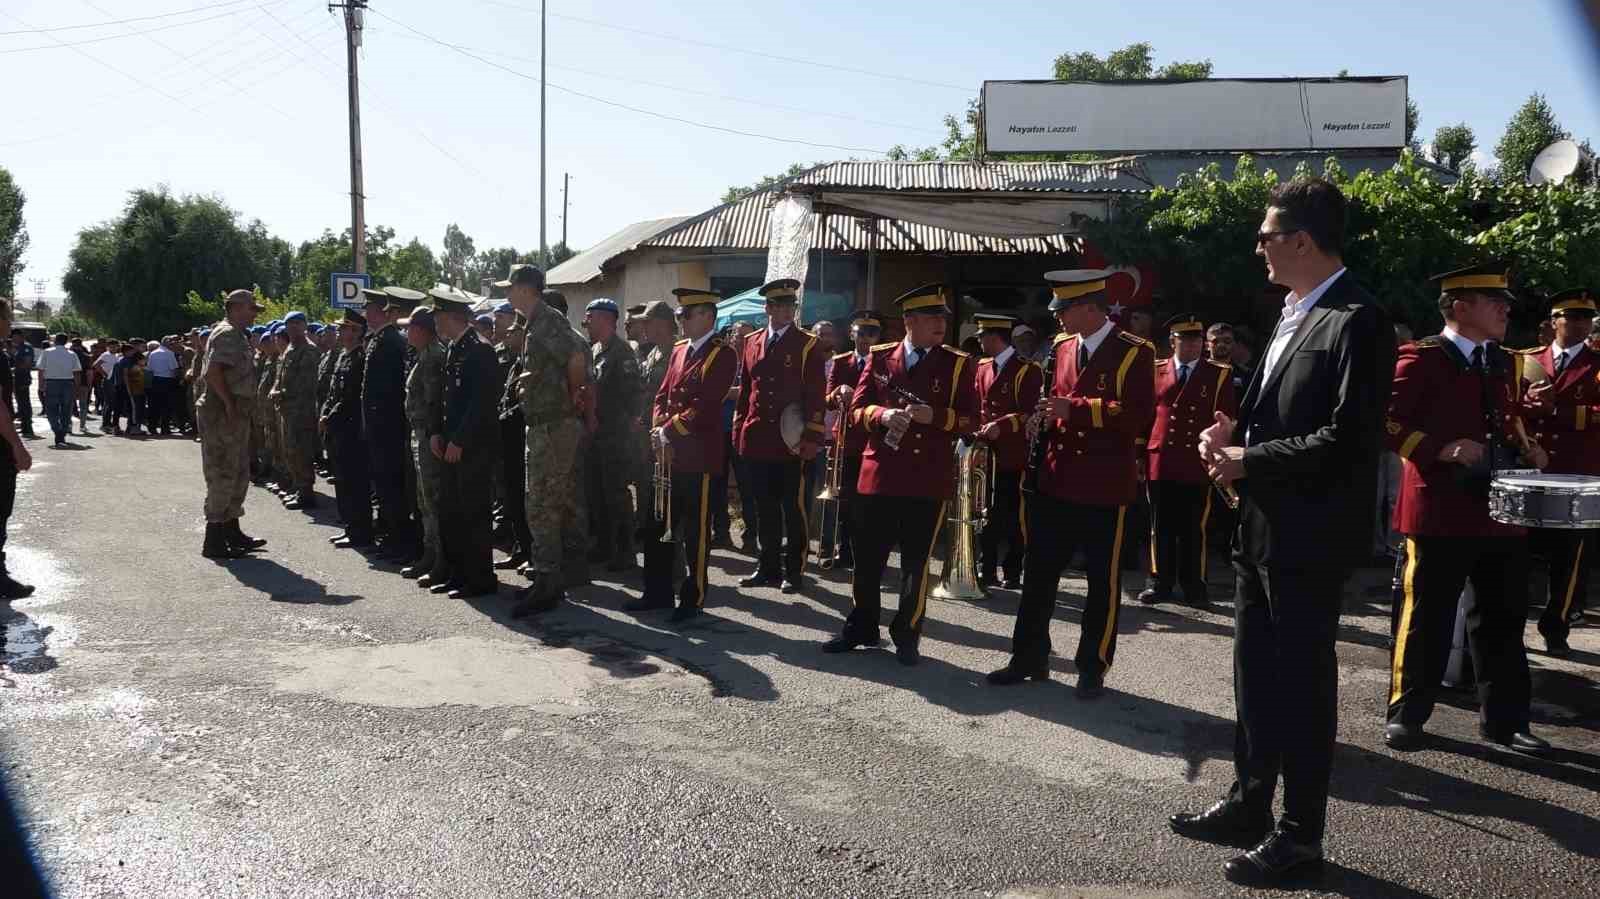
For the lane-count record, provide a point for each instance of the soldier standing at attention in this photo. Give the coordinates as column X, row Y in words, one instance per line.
column 196, row 385
column 505, row 527
column 907, row 469
column 399, row 311
column 463, row 436
column 782, row 367
column 341, row 421
column 328, row 357
column 656, row 324
column 262, row 412
column 575, row 538
column 383, row 421
column 1008, row 390
column 1097, row 411
column 842, row 380
column 424, row 400
column 616, row 401
column 225, row 406
column 513, row 464
column 687, row 426
column 554, row 371
column 1190, row 391
column 296, row 394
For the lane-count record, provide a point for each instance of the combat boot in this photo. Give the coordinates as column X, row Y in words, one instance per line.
column 10, row 588
column 541, row 596
column 239, row 538
column 217, row 544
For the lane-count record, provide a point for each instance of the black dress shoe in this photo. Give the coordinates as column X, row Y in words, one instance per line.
column 413, row 572
column 907, row 654
column 1277, row 860
column 760, row 580
column 847, row 642
column 1517, row 741
column 1150, row 596
column 1224, row 822
column 1012, row 582
column 685, row 613
column 1090, row 686
column 1016, row 674
column 798, row 585
column 1402, row 737
column 515, row 561
column 444, row 587
column 473, row 592
column 342, row 535
column 647, row 604
column 1556, row 647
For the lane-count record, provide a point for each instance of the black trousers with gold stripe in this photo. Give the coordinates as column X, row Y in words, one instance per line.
column 1179, row 514
column 781, row 504
column 1570, row 554
column 1435, row 570
column 911, row 523
column 1005, row 525
column 691, row 528
column 1056, row 530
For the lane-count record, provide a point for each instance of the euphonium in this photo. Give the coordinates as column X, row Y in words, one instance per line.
column 974, row 480
column 661, row 478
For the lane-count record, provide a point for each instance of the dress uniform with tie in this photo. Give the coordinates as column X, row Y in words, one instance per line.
column 687, row 414
column 907, row 477
column 1008, row 390
column 1189, row 391
column 1567, row 426
column 466, row 419
column 781, row 367
column 1102, row 391
column 846, row 372
column 1450, row 389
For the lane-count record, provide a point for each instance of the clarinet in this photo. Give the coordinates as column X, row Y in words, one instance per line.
column 1036, row 444
column 904, row 396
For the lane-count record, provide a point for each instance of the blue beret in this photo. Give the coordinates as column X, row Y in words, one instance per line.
column 205, row 332
column 295, row 316
column 258, row 330
column 314, row 327
column 505, row 309
column 485, row 319
column 603, row 305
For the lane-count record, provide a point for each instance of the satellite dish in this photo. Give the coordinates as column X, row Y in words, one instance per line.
column 1555, row 163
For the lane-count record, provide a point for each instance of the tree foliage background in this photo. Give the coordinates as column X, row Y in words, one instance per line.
column 13, row 235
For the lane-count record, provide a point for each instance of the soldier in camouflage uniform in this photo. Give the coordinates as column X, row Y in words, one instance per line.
column 197, row 386
column 296, row 396
column 513, row 446
column 577, row 537
column 225, row 407
column 266, row 372
column 503, row 493
column 328, row 349
column 616, row 401
column 554, row 369
column 424, row 403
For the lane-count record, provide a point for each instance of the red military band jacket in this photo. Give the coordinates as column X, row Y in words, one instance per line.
column 688, row 405
column 1437, row 399
column 1569, row 430
column 789, row 371
column 1008, row 396
column 924, row 463
column 1091, row 456
column 845, row 373
column 1182, row 413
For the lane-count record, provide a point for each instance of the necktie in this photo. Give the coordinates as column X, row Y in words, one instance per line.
column 1477, row 358
column 1183, row 375
column 1083, row 355
column 1561, row 364
column 912, row 358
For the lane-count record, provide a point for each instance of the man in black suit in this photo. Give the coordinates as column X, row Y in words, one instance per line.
column 383, row 418
column 1303, row 458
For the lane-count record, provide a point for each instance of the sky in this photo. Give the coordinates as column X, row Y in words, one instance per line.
column 245, row 100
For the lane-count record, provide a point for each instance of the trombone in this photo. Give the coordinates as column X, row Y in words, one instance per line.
column 833, row 480
column 661, row 479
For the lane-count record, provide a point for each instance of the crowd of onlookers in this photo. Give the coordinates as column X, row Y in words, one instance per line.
column 136, row 388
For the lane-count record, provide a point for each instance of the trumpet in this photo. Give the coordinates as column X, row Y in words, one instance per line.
column 661, row 479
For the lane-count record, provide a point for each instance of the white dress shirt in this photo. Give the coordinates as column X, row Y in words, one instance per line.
column 1092, row 341
column 1557, row 351
column 1294, row 312
column 911, row 353
column 1002, row 357
column 1464, row 345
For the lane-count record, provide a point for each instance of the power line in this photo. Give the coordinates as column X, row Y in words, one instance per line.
column 681, row 89
column 65, row 45
column 603, row 101
column 164, row 15
column 679, row 39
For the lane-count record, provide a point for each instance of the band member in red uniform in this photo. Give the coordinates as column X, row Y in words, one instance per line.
column 1095, row 413
column 687, row 417
column 847, row 367
column 782, row 366
column 1008, row 389
column 1453, row 419
column 1190, row 391
column 1562, row 403
column 912, row 402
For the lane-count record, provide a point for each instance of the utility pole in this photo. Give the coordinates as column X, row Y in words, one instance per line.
column 544, row 248
column 566, row 186
column 358, row 215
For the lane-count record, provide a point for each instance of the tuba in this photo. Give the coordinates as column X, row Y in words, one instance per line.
column 974, row 480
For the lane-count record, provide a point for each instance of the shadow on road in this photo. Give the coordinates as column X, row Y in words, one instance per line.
column 282, row 585
column 26, row 645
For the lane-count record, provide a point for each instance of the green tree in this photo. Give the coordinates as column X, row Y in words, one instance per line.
column 1532, row 128
column 492, row 265
column 13, row 235
column 458, row 252
column 1453, row 145
column 558, row 254
column 412, row 265
column 737, row 192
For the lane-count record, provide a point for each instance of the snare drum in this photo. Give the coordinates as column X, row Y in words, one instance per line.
column 1534, row 499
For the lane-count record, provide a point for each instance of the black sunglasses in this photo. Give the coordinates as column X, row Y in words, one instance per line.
column 1262, row 237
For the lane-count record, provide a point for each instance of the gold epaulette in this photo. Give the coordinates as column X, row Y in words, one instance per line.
column 962, row 353
column 1222, row 365
column 840, row 357
column 986, row 360
column 1062, row 337
column 885, row 346
column 1135, row 339
column 681, row 342
column 1433, row 341
column 1530, row 351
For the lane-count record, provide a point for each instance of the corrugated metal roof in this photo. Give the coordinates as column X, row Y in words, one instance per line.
column 586, row 266
column 1102, row 176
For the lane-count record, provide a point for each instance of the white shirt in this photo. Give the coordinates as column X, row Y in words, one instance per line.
column 106, row 362
column 1464, row 345
column 1556, row 351
column 161, row 363
column 1093, row 341
column 1183, row 369
column 59, row 364
column 775, row 336
column 1294, row 312
column 907, row 348
column 1002, row 357
column 697, row 343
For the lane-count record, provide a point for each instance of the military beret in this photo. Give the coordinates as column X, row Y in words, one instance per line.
column 603, row 304
column 483, row 319
column 504, row 309
column 295, row 316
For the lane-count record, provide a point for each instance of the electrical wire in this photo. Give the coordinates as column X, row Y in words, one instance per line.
column 65, row 45
column 164, row 15
column 764, row 54
column 603, row 101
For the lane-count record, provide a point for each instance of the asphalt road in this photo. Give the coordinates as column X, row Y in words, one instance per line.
column 307, row 723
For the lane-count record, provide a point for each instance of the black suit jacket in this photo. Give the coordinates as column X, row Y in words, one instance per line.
column 468, row 416
column 383, row 389
column 1315, row 436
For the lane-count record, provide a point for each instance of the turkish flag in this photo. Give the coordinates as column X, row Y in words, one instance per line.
column 1129, row 285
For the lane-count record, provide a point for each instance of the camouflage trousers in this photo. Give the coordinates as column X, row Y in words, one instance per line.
column 429, row 472
column 225, row 461
column 298, row 437
column 550, row 475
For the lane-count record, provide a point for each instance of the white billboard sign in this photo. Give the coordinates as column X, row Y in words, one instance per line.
column 1214, row 114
